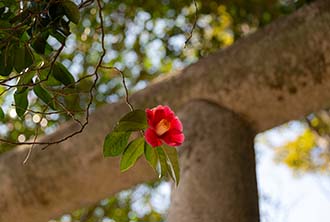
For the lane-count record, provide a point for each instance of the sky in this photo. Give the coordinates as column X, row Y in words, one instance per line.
column 289, row 198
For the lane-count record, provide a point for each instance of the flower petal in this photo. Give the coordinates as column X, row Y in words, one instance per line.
column 150, row 116
column 176, row 124
column 158, row 115
column 155, row 115
column 173, row 137
column 152, row 138
column 169, row 114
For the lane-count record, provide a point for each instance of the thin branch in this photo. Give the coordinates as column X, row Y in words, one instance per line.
column 31, row 147
column 194, row 24
column 124, row 84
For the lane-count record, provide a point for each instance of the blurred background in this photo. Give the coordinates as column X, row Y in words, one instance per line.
column 147, row 39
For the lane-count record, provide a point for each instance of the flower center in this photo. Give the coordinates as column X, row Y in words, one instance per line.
column 162, row 127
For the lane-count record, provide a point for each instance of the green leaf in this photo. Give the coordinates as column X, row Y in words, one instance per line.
column 28, row 56
column 6, row 61
column 2, row 114
column 56, row 10
column 62, row 75
column 151, row 155
column 19, row 63
column 115, row 143
column 44, row 95
column 72, row 100
column 23, row 81
column 133, row 151
column 71, row 11
column 21, row 102
column 162, row 161
column 25, row 37
column 132, row 121
column 46, row 74
column 58, row 36
column 39, row 43
column 23, row 58
column 21, row 17
column 4, row 23
column 172, row 162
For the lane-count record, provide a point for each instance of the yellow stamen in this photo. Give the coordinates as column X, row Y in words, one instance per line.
column 162, row 127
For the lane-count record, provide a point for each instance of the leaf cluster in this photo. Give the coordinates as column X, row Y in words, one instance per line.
column 163, row 159
column 32, row 37
column 24, row 48
column 137, row 204
column 310, row 150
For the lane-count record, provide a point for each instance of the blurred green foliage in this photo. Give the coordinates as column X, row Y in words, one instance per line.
column 146, row 202
column 310, row 151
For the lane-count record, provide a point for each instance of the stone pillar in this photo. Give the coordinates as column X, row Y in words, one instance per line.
column 218, row 177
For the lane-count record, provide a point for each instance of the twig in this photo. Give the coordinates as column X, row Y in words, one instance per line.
column 31, row 147
column 124, row 84
column 194, row 24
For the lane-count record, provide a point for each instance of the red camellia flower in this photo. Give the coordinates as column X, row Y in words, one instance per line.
column 164, row 126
